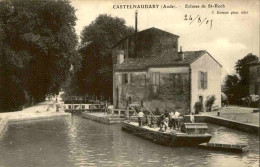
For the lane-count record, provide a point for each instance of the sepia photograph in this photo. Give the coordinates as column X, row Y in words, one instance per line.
column 118, row 83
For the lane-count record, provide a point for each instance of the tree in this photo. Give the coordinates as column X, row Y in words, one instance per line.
column 242, row 69
column 95, row 76
column 232, row 87
column 39, row 47
column 237, row 85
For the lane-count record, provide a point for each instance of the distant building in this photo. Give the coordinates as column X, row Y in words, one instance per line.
column 254, row 69
column 160, row 76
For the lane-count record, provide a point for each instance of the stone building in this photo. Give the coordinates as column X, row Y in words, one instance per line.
column 254, row 69
column 160, row 76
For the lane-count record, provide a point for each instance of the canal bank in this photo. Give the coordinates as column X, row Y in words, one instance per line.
column 222, row 121
column 42, row 110
column 245, row 127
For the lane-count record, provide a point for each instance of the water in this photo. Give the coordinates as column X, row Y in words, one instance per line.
column 73, row 141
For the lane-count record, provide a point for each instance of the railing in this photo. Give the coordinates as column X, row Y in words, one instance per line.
column 118, row 112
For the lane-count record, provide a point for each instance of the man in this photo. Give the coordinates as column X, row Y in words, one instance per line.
column 198, row 107
column 148, row 119
column 106, row 109
column 140, row 117
column 176, row 119
column 171, row 116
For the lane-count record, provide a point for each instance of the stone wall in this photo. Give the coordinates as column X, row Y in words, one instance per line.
column 150, row 42
column 173, row 94
column 136, row 89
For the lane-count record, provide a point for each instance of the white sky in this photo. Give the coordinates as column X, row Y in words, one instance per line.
column 231, row 37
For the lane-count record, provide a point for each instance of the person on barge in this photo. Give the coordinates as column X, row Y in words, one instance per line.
column 140, row 117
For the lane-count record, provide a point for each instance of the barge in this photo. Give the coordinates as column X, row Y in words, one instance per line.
column 191, row 134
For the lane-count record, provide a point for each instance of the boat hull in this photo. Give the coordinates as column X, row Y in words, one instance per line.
column 167, row 139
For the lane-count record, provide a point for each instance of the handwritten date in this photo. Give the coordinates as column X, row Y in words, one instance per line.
column 200, row 20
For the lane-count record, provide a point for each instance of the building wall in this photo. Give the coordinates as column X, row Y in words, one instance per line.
column 136, row 89
column 206, row 64
column 254, row 80
column 155, row 43
column 151, row 42
column 172, row 94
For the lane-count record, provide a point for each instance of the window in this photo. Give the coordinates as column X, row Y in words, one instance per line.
column 202, row 80
column 126, row 78
column 179, row 82
column 69, row 106
column 155, row 77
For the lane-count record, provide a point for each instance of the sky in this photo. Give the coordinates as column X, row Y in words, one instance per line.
column 227, row 37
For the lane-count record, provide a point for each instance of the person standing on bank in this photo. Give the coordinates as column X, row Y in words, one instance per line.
column 198, row 107
column 140, row 117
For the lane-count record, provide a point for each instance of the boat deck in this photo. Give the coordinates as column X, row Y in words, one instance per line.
column 167, row 132
column 156, row 129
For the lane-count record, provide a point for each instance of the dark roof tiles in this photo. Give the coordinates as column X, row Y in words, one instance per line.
column 167, row 59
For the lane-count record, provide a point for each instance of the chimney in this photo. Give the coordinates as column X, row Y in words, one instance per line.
column 136, row 15
column 181, row 54
column 120, row 56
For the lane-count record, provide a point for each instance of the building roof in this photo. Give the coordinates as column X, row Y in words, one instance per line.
column 166, row 60
column 152, row 29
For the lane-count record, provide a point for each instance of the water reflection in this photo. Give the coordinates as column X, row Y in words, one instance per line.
column 79, row 142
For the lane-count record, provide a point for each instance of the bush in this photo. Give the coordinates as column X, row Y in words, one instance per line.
column 210, row 101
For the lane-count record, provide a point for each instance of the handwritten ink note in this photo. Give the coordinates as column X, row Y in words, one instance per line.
column 198, row 20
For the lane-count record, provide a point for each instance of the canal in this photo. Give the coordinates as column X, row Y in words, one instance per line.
column 74, row 141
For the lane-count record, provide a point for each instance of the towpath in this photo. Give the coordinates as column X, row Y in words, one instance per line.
column 237, row 113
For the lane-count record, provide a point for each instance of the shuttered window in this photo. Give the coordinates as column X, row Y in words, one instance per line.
column 126, row 78
column 155, row 77
column 202, row 80
column 200, row 76
column 205, row 79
